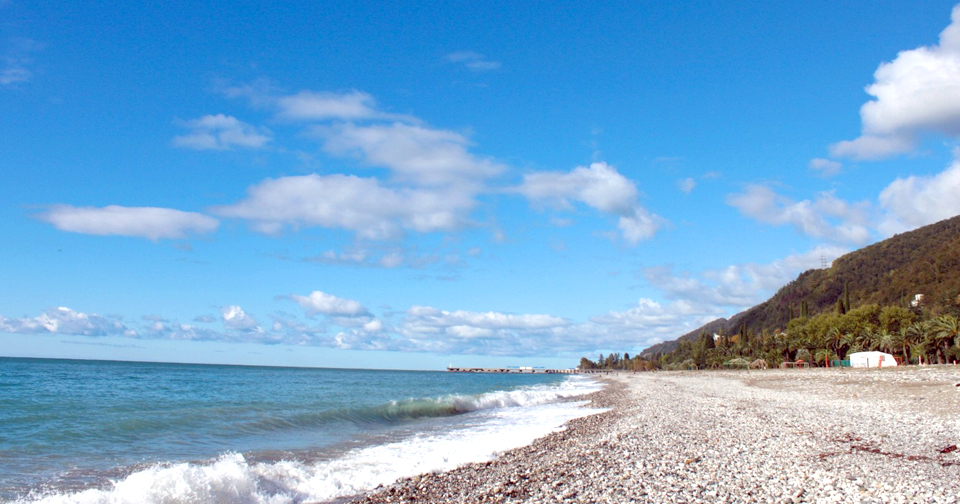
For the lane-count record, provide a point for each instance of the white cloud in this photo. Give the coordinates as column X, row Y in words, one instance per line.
column 648, row 323
column 686, row 185
column 599, row 186
column 14, row 74
column 432, row 330
column 915, row 201
column 432, row 185
column 144, row 222
column 184, row 332
column 826, row 217
column 916, row 93
column 473, row 61
column 414, row 154
column 870, row 147
column 221, row 132
column 313, row 105
column 377, row 257
column 327, row 304
column 16, row 59
column 641, row 225
column 825, row 167
column 737, row 286
column 430, row 319
column 358, row 204
column 234, row 318
column 63, row 320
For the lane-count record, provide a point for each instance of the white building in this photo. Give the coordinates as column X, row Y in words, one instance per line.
column 871, row 360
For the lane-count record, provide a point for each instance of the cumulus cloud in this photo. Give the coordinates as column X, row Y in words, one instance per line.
column 916, row 93
column 358, row 204
column 473, row 61
column 64, row 320
column 686, row 185
column 327, row 304
column 915, row 201
column 413, row 153
column 434, row 185
column 143, row 222
column 826, row 217
column 433, row 181
column 235, row 319
column 825, row 167
column 221, row 132
column 599, row 186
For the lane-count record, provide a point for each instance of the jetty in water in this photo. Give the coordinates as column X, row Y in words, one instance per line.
column 522, row 369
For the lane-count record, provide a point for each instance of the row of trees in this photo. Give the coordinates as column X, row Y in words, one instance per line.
column 911, row 334
column 615, row 362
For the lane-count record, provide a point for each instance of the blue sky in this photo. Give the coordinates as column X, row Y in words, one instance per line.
column 410, row 185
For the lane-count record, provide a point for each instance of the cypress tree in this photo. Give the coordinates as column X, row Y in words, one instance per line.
column 846, row 297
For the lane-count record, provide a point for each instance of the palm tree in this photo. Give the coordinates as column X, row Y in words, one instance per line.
column 835, row 340
column 917, row 333
column 864, row 338
column 823, row 355
column 882, row 340
column 851, row 342
column 902, row 343
column 945, row 330
column 918, row 349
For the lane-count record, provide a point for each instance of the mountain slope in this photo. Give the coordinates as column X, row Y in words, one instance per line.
column 924, row 261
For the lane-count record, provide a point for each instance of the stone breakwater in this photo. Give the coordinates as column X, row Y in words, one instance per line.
column 826, row 435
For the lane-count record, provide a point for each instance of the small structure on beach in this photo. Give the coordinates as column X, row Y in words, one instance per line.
column 871, row 359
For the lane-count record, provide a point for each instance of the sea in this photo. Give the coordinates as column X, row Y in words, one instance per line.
column 74, row 431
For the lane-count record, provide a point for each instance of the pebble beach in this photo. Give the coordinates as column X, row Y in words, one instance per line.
column 775, row 436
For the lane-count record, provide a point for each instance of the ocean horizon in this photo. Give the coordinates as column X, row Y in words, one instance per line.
column 114, row 431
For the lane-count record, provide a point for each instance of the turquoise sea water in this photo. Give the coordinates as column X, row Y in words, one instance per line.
column 95, row 431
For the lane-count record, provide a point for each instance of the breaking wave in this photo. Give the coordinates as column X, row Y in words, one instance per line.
column 500, row 421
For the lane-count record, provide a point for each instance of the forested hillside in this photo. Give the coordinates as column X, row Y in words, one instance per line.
column 887, row 274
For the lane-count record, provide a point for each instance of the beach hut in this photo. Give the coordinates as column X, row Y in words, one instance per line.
column 871, row 360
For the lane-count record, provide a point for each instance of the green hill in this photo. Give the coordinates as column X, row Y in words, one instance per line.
column 924, row 261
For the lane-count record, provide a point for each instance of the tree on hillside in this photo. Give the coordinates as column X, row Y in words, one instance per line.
column 892, row 318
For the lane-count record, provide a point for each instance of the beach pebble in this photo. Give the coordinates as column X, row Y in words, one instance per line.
column 778, row 436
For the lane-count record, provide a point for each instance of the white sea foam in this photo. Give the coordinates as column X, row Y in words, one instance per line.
column 501, row 421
